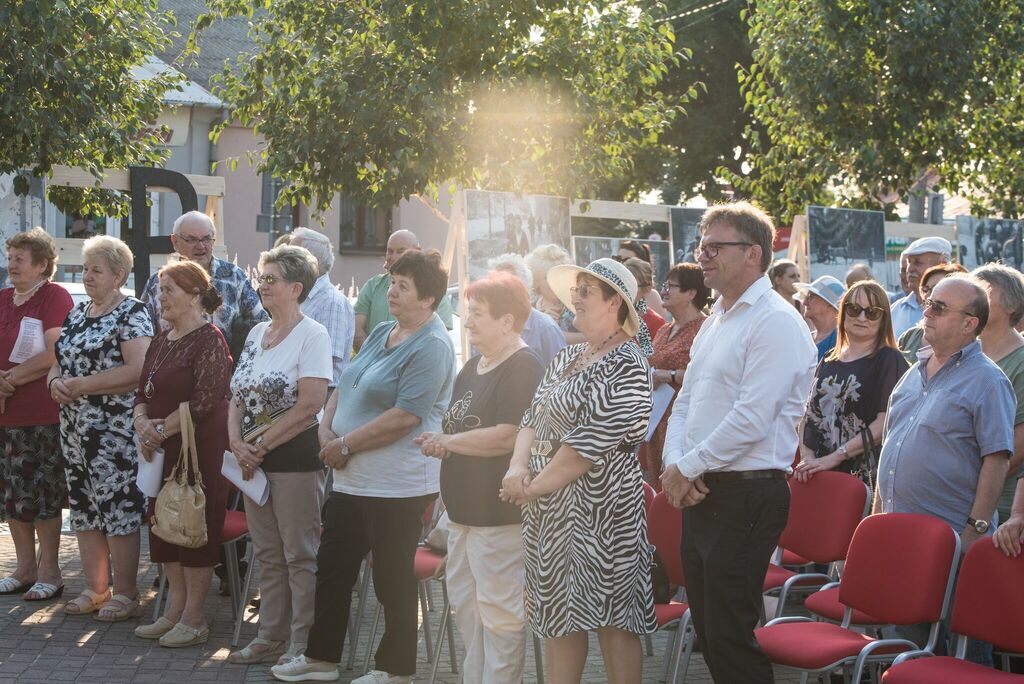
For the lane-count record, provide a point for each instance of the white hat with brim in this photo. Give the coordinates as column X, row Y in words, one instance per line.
column 826, row 287
column 562, row 278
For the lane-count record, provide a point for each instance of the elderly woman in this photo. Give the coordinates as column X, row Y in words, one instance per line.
column 851, row 388
column 485, row 535
column 397, row 387
column 630, row 249
column 1004, row 345
column 540, row 332
column 912, row 340
column 32, row 483
column 785, row 274
column 685, row 296
column 541, row 260
column 190, row 363
column 584, row 528
column 278, row 390
column 100, row 353
column 644, row 275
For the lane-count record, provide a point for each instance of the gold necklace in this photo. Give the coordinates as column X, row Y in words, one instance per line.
column 118, row 298
column 280, row 336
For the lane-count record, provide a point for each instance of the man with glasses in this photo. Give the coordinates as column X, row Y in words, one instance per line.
column 949, row 428
column 921, row 255
column 821, row 307
column 192, row 237
column 731, row 438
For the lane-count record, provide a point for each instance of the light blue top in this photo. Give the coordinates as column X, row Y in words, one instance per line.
column 938, row 430
column 415, row 376
column 906, row 313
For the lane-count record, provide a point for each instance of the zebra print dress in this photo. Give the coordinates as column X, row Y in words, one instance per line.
column 585, row 545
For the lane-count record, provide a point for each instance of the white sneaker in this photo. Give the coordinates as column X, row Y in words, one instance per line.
column 381, row 677
column 294, row 650
column 301, row 670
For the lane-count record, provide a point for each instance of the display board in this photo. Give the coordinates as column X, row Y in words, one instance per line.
column 989, row 240
column 839, row 238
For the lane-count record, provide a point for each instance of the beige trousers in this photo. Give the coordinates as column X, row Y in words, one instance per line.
column 286, row 536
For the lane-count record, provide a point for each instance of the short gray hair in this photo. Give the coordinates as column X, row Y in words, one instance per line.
column 544, row 257
column 318, row 244
column 514, row 264
column 193, row 216
column 115, row 253
column 297, row 266
column 979, row 298
column 1010, row 284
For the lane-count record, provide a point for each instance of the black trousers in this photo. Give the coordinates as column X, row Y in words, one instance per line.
column 354, row 526
column 728, row 540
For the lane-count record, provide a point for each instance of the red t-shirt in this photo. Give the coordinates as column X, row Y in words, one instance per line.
column 654, row 321
column 31, row 404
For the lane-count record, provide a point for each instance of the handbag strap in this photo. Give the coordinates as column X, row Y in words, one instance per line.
column 189, row 449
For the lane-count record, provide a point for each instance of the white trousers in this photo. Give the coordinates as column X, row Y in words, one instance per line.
column 486, row 580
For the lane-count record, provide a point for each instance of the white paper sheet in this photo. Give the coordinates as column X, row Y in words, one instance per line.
column 151, row 473
column 30, row 341
column 661, row 397
column 256, row 488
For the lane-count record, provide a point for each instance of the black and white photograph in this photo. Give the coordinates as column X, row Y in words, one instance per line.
column 503, row 222
column 840, row 238
column 591, row 247
column 18, row 213
column 989, row 240
column 685, row 233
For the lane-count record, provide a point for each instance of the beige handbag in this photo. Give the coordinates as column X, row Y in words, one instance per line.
column 180, row 514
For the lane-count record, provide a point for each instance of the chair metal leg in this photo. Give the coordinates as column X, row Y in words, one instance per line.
column 250, row 559
column 231, row 563
column 364, row 591
column 373, row 635
column 435, row 656
column 425, row 617
column 684, row 649
column 161, row 593
column 676, row 636
column 650, row 644
column 448, row 625
column 538, row 658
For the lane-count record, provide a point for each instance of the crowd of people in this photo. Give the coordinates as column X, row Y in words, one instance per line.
column 360, row 417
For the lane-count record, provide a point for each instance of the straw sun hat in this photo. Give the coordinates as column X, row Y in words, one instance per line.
column 562, row 278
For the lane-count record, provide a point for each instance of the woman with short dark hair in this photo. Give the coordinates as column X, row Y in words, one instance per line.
column 398, row 386
column 685, row 296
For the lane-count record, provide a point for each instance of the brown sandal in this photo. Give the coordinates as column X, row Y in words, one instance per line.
column 118, row 608
column 87, row 602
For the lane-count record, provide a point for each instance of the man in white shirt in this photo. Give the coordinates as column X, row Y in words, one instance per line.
column 732, row 436
column 921, row 255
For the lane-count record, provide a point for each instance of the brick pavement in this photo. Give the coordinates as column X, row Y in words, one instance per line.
column 39, row 643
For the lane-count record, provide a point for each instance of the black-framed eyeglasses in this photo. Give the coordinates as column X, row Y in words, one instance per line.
column 192, row 241
column 668, row 285
column 941, row 308
column 583, row 290
column 711, row 249
column 855, row 310
column 269, row 279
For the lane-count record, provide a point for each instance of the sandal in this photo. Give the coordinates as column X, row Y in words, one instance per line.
column 118, row 608
column 44, row 592
column 271, row 652
column 10, row 585
column 87, row 602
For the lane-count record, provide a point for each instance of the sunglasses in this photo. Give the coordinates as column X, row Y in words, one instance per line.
column 872, row 312
column 268, row 279
column 941, row 308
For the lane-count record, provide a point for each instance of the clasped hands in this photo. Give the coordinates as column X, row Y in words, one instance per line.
column 330, row 449
column 149, row 437
column 63, row 390
column 433, row 444
column 249, row 456
column 681, row 491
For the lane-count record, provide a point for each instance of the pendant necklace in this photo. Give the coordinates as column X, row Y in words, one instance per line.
column 149, row 389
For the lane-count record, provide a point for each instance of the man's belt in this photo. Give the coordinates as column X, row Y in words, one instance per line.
column 727, row 476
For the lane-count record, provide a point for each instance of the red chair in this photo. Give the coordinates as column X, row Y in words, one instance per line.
column 648, row 498
column 988, row 606
column 665, row 531
column 900, row 568
column 823, row 514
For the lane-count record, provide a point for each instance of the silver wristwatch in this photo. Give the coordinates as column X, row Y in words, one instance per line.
column 345, row 451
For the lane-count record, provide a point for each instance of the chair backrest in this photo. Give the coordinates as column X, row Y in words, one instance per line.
column 823, row 514
column 648, row 498
column 989, row 603
column 665, row 530
column 900, row 568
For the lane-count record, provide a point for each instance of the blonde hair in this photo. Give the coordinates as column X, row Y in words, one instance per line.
column 117, row 254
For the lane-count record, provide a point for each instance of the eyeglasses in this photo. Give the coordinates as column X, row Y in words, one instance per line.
column 193, row 241
column 711, row 249
column 584, row 290
column 872, row 312
column 268, row 279
column 668, row 285
column 941, row 308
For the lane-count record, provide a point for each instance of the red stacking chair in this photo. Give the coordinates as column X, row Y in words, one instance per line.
column 823, row 514
column 648, row 498
column 665, row 531
column 988, row 606
column 900, row 568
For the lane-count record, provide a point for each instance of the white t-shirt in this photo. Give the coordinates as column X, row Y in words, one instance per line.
column 266, row 381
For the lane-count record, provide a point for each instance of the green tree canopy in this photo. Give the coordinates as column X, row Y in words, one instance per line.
column 864, row 97
column 380, row 99
column 67, row 95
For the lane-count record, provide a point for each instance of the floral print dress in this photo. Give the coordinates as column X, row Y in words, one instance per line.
column 96, row 430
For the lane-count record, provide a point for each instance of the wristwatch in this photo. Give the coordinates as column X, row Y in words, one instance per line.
column 980, row 526
column 673, row 377
column 345, row 451
column 258, row 442
column 843, row 451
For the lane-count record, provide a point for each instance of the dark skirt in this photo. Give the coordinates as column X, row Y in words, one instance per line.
column 32, row 481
